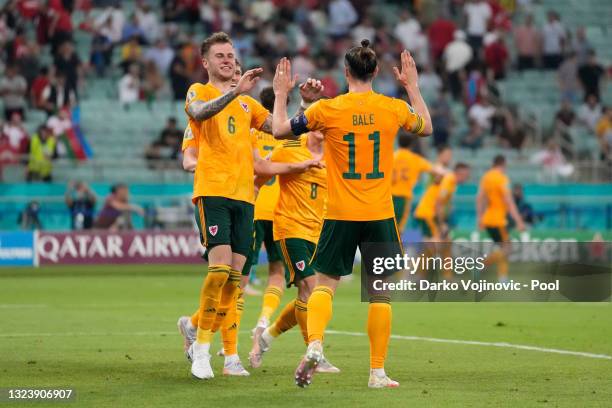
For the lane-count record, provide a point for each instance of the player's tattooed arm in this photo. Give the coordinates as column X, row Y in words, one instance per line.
column 202, row 110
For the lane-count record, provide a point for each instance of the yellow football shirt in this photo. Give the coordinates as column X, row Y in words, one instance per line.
column 268, row 193
column 407, row 168
column 448, row 186
column 426, row 209
column 225, row 149
column 360, row 129
column 300, row 208
column 495, row 184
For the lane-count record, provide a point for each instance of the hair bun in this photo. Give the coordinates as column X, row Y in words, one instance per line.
column 365, row 43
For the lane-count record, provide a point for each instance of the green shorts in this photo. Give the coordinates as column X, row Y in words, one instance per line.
column 223, row 221
column 335, row 252
column 427, row 226
column 296, row 253
column 399, row 205
column 263, row 234
column 498, row 234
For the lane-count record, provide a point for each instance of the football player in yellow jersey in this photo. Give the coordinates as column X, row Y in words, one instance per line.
column 493, row 203
column 432, row 210
column 407, row 169
column 223, row 187
column 359, row 128
column 229, row 325
column 298, row 217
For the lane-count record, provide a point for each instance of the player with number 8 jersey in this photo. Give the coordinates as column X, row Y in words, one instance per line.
column 360, row 128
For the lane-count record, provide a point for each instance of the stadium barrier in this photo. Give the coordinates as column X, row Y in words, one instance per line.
column 38, row 248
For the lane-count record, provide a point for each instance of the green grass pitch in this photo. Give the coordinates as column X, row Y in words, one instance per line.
column 110, row 333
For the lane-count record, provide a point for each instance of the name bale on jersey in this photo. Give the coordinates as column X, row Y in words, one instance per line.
column 363, row 119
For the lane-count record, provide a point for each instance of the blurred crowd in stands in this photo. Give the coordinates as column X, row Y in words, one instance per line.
column 115, row 214
column 463, row 48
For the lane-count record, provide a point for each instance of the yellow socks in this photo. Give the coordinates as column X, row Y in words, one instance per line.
column 230, row 322
column 319, row 312
column 209, row 300
column 301, row 315
column 228, row 299
column 379, row 331
column 271, row 301
column 285, row 321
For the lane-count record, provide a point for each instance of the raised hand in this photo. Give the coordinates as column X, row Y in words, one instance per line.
column 248, row 80
column 283, row 81
column 408, row 75
column 311, row 90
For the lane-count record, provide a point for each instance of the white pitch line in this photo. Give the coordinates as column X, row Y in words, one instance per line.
column 483, row 343
column 22, row 305
column 338, row 332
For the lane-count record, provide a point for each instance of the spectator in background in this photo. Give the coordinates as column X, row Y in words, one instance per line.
column 590, row 112
column 408, row 31
column 553, row 162
column 42, row 153
column 131, row 29
column 113, row 19
column 129, row 87
column 302, row 65
column 385, row 82
column 442, row 119
column 161, row 54
column 342, row 16
column 496, row 55
column 68, row 63
column 152, row 84
column 38, row 87
column 440, row 34
column 429, row 82
column 100, row 55
column 59, row 124
column 148, row 22
column 179, row 77
column 131, row 53
column 27, row 60
column 17, row 135
column 29, row 219
column 13, row 89
column 591, row 74
column 565, row 116
column 364, row 30
column 165, row 150
column 57, row 95
column 527, row 40
column 581, row 45
column 525, row 209
column 215, row 16
column 456, row 57
column 117, row 212
column 8, row 155
column 474, row 137
column 60, row 25
column 603, row 131
column 478, row 14
column 554, row 36
column 482, row 112
column 81, row 201
column 567, row 77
